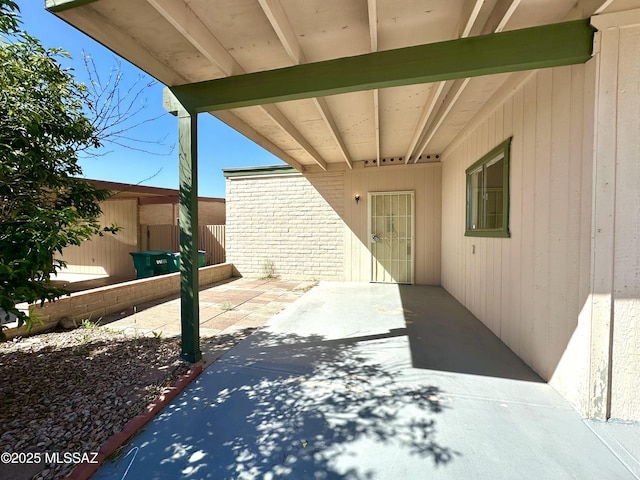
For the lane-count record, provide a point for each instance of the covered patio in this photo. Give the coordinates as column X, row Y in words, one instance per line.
column 371, row 381
column 416, row 100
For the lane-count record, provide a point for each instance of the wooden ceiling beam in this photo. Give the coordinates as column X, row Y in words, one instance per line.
column 586, row 8
column 285, row 124
column 435, row 98
column 327, row 117
column 502, row 12
column 470, row 15
column 376, row 123
column 238, row 124
column 280, row 24
column 183, row 19
column 500, row 16
column 452, row 97
column 372, row 9
column 99, row 26
column 497, row 21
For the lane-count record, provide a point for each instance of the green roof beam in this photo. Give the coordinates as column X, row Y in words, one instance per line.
column 553, row 45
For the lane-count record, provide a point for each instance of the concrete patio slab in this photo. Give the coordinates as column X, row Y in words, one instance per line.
column 370, row 381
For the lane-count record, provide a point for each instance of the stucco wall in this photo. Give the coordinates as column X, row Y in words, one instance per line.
column 532, row 289
column 292, row 221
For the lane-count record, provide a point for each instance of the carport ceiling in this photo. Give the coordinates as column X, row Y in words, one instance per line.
column 182, row 42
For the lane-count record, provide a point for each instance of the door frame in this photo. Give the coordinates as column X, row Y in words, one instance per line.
column 370, row 196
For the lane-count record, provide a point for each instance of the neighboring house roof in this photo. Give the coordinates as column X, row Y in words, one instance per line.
column 145, row 194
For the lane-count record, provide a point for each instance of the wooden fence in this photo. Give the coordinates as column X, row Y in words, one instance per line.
column 211, row 239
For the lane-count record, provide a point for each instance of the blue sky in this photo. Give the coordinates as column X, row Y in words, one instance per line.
column 219, row 146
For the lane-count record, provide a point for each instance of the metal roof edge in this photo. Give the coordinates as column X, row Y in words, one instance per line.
column 255, row 171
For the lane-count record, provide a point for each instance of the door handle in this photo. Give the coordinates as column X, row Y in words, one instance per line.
column 375, row 238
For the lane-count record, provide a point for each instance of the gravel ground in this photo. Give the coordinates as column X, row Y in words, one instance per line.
column 69, row 391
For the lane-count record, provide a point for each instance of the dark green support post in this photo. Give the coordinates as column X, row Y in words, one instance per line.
column 189, row 299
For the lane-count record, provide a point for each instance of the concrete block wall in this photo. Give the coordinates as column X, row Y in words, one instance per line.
column 293, row 221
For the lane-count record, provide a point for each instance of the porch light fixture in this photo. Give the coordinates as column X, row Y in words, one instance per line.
column 357, row 197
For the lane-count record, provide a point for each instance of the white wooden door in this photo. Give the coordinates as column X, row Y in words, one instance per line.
column 391, row 242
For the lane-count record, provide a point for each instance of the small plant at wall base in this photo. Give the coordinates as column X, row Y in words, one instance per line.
column 87, row 324
column 83, row 348
column 268, row 269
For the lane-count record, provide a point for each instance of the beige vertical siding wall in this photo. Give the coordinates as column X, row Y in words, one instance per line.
column 212, row 239
column 209, row 213
column 110, row 253
column 618, row 198
column 160, row 237
column 425, row 181
column 292, row 221
column 531, row 289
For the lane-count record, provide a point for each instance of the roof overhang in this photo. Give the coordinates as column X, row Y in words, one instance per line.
column 144, row 193
column 323, row 84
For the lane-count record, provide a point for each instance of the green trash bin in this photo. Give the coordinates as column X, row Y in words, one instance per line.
column 202, row 258
column 174, row 260
column 151, row 262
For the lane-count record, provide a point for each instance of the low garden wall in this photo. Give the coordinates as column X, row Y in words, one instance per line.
column 96, row 303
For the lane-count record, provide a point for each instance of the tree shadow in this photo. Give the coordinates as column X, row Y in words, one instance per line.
column 285, row 405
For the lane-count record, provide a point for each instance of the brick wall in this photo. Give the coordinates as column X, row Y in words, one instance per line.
column 293, row 221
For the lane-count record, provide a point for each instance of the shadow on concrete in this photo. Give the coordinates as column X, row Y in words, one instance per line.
column 293, row 406
column 443, row 335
